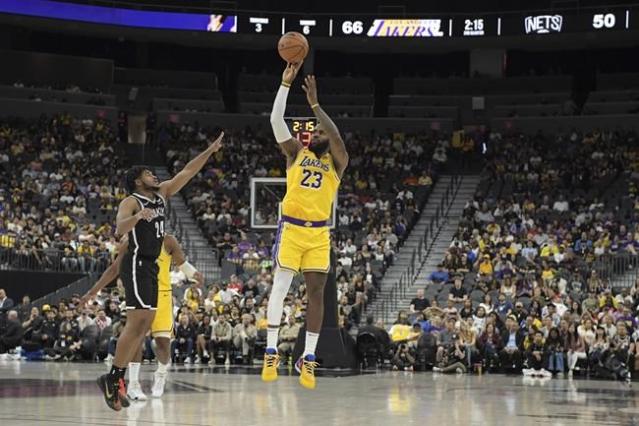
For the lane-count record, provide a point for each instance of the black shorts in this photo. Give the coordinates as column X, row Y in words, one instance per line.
column 140, row 279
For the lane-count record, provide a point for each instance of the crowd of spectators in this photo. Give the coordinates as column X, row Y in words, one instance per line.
column 526, row 281
column 224, row 323
column 59, row 188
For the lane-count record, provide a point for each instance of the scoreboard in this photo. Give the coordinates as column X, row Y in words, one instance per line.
column 478, row 25
column 303, row 128
column 435, row 26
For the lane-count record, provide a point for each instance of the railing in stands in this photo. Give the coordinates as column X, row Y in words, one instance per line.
column 52, row 260
column 391, row 300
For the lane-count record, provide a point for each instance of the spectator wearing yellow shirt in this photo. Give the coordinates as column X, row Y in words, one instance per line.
column 547, row 273
column 86, row 256
column 485, row 267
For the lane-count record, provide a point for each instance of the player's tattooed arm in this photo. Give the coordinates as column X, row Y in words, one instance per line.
column 193, row 167
column 336, row 143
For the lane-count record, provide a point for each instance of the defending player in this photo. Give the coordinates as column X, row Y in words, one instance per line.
column 162, row 326
column 141, row 217
column 303, row 238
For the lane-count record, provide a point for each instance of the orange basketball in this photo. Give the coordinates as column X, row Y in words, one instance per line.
column 293, row 47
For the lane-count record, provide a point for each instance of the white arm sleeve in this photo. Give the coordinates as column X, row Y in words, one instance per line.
column 188, row 269
column 280, row 129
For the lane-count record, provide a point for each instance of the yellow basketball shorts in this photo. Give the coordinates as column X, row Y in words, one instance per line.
column 162, row 325
column 299, row 248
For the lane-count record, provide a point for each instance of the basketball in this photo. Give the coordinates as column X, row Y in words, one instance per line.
column 293, row 47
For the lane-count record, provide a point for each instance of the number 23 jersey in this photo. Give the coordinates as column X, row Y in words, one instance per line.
column 311, row 187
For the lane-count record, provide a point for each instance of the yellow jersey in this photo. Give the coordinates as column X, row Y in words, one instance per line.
column 164, row 273
column 311, row 187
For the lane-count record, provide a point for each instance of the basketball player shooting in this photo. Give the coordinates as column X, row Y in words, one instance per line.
column 141, row 218
column 313, row 176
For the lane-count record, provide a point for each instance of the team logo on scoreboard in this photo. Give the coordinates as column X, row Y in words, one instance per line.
column 543, row 24
column 406, row 28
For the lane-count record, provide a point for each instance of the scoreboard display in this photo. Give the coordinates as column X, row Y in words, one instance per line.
column 435, row 26
column 302, row 128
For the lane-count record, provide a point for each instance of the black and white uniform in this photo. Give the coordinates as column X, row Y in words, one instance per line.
column 139, row 268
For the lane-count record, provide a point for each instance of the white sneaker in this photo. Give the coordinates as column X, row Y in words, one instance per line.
column 187, row 360
column 108, row 359
column 545, row 373
column 134, row 392
column 197, row 359
column 159, row 380
column 528, row 372
column 205, row 354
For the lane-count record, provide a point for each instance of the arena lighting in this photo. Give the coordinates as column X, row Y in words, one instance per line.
column 425, row 28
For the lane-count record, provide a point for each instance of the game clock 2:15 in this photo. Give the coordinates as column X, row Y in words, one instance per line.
column 303, row 129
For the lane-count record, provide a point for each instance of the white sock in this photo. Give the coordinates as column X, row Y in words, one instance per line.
column 272, row 335
column 281, row 283
column 162, row 368
column 311, row 343
column 134, row 372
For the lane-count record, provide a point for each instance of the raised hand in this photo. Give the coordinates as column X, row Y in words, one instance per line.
column 217, row 143
column 146, row 214
column 290, row 72
column 310, row 87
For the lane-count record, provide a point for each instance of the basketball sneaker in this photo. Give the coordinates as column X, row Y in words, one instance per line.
column 110, row 391
column 159, row 380
column 135, row 393
column 271, row 362
column 306, row 367
column 122, row 394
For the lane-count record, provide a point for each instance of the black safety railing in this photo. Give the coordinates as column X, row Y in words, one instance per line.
column 52, row 260
column 389, row 302
column 621, row 270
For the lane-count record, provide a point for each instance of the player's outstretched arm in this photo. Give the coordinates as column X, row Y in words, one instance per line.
column 338, row 148
column 289, row 145
column 110, row 274
column 193, row 167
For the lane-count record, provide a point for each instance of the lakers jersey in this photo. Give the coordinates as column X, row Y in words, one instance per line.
column 311, row 186
column 164, row 273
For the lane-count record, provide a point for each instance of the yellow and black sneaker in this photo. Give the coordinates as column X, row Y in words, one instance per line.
column 306, row 367
column 271, row 362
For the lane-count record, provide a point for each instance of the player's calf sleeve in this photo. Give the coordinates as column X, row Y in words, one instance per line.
column 281, row 283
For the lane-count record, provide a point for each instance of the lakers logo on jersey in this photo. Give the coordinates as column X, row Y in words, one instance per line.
column 311, row 186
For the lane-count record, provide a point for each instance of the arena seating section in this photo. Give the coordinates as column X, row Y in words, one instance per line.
column 60, row 186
